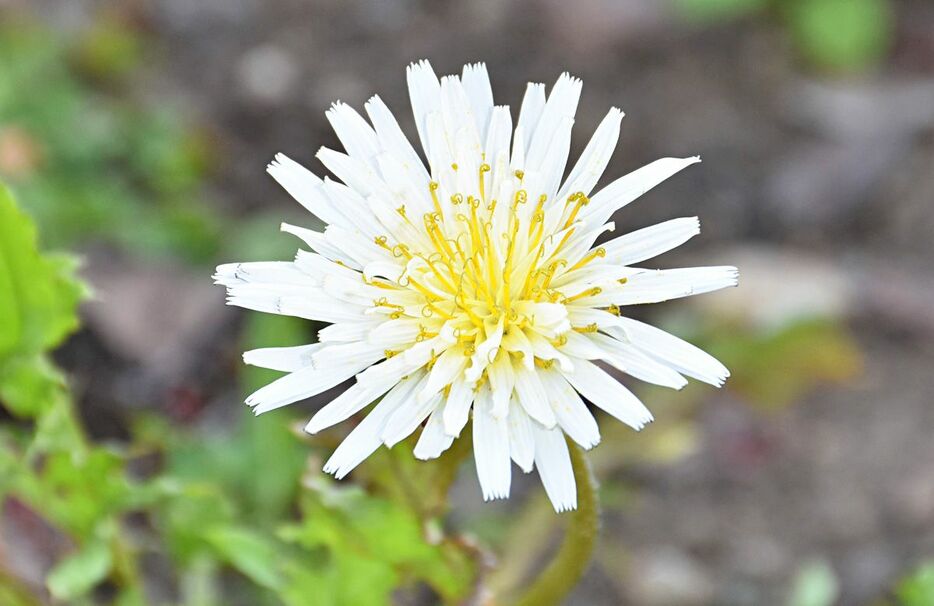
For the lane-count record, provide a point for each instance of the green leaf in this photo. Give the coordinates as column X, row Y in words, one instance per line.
column 918, row 588
column 30, row 385
column 841, row 35
column 196, row 508
column 249, row 552
column 377, row 539
column 39, row 294
column 814, row 585
column 79, row 573
column 77, row 491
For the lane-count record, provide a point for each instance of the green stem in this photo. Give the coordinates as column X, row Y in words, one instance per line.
column 572, row 558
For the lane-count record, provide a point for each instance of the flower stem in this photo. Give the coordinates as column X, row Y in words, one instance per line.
column 572, row 558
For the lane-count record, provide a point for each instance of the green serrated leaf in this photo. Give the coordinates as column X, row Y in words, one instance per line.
column 30, row 385
column 39, row 294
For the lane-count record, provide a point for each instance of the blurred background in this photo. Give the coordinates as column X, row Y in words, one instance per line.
column 136, row 133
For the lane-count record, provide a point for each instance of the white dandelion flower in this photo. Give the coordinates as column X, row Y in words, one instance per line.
column 471, row 288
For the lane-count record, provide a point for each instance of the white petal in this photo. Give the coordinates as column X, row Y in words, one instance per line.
column 353, row 400
column 627, row 188
column 585, row 316
column 353, row 172
column 485, row 350
column 544, row 315
column 570, row 411
column 669, row 349
column 345, row 332
column 383, row 269
column 449, row 365
column 352, row 291
column 561, row 106
column 391, row 370
column 340, row 354
column 361, row 249
column 301, row 384
column 532, row 396
column 309, row 305
column 515, row 341
column 588, row 276
column 476, row 83
column 441, row 144
column 394, row 332
column 457, row 407
column 364, row 439
column 320, row 244
column 353, row 205
column 306, row 188
column 546, row 351
column 664, row 284
column 533, row 103
column 433, row 440
column 425, row 93
column 408, row 416
column 595, row 157
column 554, row 467
column 263, row 272
column 502, row 380
column 498, row 133
column 632, row 361
column 521, row 441
column 553, row 160
column 650, row 242
column 579, row 346
column 393, row 140
column 491, row 449
column 283, row 359
column 460, row 122
column 609, row 394
column 357, row 137
column 320, row 267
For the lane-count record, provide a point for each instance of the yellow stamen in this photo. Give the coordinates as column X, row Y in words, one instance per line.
column 590, row 292
column 433, row 189
column 484, row 168
column 582, row 201
column 600, row 252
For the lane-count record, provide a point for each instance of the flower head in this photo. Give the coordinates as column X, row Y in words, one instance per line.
column 472, row 288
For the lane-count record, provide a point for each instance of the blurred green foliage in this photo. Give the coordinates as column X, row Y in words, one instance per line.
column 841, row 35
column 775, row 368
column 917, row 589
column 834, row 35
column 90, row 161
column 815, row 584
column 246, row 502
